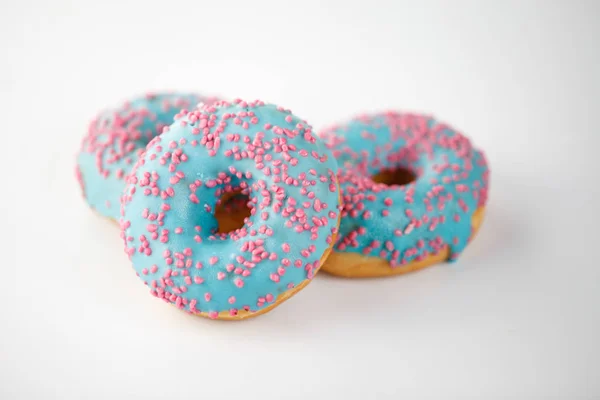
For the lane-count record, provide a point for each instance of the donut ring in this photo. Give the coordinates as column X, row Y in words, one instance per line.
column 115, row 139
column 168, row 223
column 390, row 229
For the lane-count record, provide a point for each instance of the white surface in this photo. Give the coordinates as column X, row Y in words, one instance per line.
column 517, row 317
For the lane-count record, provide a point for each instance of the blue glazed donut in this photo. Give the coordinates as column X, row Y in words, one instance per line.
column 392, row 227
column 115, row 139
column 168, row 222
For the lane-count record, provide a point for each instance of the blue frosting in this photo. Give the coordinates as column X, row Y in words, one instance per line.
column 402, row 223
column 114, row 140
column 288, row 175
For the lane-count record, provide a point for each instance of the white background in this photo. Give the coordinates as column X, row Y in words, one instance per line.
column 517, row 317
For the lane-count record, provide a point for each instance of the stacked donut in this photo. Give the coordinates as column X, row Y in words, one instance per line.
column 227, row 209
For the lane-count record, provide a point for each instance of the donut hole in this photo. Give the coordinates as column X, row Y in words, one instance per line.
column 398, row 176
column 231, row 211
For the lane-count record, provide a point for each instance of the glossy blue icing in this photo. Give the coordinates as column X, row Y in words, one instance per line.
column 267, row 173
column 114, row 140
column 423, row 216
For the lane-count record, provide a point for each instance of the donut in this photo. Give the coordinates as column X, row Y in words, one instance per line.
column 257, row 150
column 413, row 192
column 114, row 140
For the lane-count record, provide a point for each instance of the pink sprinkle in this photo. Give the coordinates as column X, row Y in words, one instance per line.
column 213, row 315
